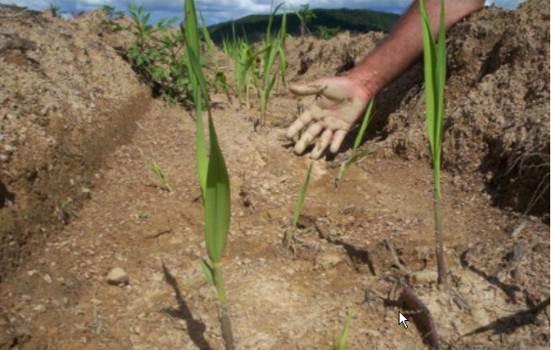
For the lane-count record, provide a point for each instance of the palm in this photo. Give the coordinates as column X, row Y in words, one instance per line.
column 339, row 103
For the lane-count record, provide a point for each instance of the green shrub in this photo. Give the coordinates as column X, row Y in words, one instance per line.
column 156, row 55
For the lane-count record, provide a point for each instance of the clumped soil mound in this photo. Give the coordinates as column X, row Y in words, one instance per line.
column 66, row 98
column 497, row 127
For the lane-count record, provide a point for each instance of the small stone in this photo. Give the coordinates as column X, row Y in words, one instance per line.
column 9, row 148
column 47, row 278
column 118, row 277
column 424, row 276
column 39, row 308
column 87, row 193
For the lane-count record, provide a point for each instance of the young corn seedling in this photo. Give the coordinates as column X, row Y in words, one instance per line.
column 301, row 196
column 274, row 48
column 244, row 57
column 359, row 137
column 434, row 65
column 160, row 175
column 246, row 76
column 212, row 172
column 342, row 341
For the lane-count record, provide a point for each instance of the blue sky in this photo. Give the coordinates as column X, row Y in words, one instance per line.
column 221, row 10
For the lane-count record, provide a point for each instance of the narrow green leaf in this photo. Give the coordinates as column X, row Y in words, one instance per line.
column 200, row 147
column 206, row 36
column 363, row 126
column 359, row 137
column 429, row 63
column 441, row 84
column 342, row 341
column 301, row 196
column 207, row 272
column 217, row 200
column 198, row 84
column 342, row 170
column 271, row 21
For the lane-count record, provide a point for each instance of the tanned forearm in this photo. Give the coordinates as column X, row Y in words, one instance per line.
column 404, row 44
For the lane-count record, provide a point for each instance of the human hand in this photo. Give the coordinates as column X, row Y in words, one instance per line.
column 340, row 102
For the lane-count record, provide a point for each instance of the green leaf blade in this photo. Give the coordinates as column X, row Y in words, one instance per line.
column 342, row 341
column 429, row 64
column 363, row 126
column 217, row 200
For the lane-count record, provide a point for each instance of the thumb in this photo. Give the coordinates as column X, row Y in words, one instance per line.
column 313, row 88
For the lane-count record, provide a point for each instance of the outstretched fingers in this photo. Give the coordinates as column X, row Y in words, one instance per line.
column 322, row 144
column 308, row 136
column 299, row 124
column 338, row 138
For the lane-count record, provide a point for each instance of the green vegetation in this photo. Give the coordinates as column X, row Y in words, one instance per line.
column 272, row 58
column 305, row 15
column 244, row 56
column 301, row 196
column 54, row 9
column 156, row 55
column 327, row 32
column 274, row 49
column 213, row 174
column 359, row 137
column 160, row 175
column 342, row 341
column 434, row 65
column 109, row 23
column 361, row 21
column 111, row 12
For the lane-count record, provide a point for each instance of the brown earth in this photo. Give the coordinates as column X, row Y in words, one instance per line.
column 79, row 131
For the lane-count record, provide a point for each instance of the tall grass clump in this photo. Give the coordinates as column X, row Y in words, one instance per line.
column 359, row 137
column 259, row 67
column 244, row 56
column 434, row 64
column 212, row 172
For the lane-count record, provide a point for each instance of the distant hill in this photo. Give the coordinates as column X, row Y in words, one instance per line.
column 345, row 19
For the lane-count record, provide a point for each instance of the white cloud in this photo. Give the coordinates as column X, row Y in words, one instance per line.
column 221, row 10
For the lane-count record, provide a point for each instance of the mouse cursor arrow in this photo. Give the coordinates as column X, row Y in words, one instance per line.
column 402, row 320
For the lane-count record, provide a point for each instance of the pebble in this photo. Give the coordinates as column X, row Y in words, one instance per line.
column 117, row 276
column 47, row 278
column 9, row 148
column 87, row 193
column 39, row 308
column 424, row 276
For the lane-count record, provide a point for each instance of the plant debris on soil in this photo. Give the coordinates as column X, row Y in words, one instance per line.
column 95, row 255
